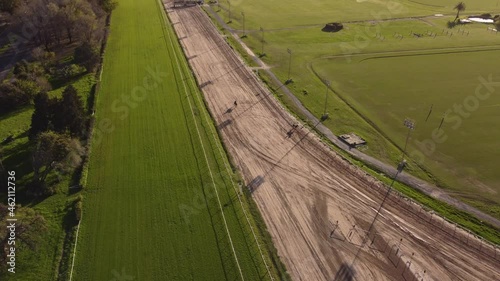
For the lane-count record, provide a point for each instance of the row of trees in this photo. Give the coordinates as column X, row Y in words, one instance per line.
column 49, row 22
column 57, row 125
column 10, row 6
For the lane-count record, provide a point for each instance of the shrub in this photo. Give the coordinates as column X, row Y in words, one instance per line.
column 486, row 16
column 78, row 209
column 108, row 5
column 24, row 70
column 28, row 87
column 46, row 59
column 12, row 97
column 71, row 71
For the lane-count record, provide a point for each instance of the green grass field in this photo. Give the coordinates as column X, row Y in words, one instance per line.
column 158, row 175
column 378, row 79
column 295, row 13
column 412, row 91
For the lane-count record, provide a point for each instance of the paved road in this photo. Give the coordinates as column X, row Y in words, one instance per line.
column 387, row 169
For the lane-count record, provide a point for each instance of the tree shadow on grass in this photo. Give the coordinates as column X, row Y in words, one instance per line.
column 15, row 158
column 7, row 115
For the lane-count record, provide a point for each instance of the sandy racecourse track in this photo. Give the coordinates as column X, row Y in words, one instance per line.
column 309, row 197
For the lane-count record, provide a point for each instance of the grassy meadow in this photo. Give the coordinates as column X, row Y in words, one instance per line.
column 296, row 13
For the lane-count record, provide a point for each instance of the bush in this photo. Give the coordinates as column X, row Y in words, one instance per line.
column 333, row 27
column 24, row 70
column 78, row 209
column 12, row 97
column 70, row 71
column 486, row 16
column 28, row 87
column 46, row 59
column 108, row 5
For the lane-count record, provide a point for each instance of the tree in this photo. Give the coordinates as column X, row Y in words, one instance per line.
column 53, row 152
column 52, row 20
column 86, row 55
column 72, row 14
column 61, row 115
column 55, row 20
column 73, row 113
column 51, row 148
column 9, row 5
column 460, row 7
column 40, row 120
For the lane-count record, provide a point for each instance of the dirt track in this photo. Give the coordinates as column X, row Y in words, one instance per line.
column 309, row 197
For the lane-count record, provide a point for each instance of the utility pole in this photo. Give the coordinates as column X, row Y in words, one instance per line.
column 325, row 115
column 429, row 114
column 442, row 121
column 262, row 51
column 399, row 170
column 229, row 3
column 244, row 30
column 289, row 66
column 410, row 124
